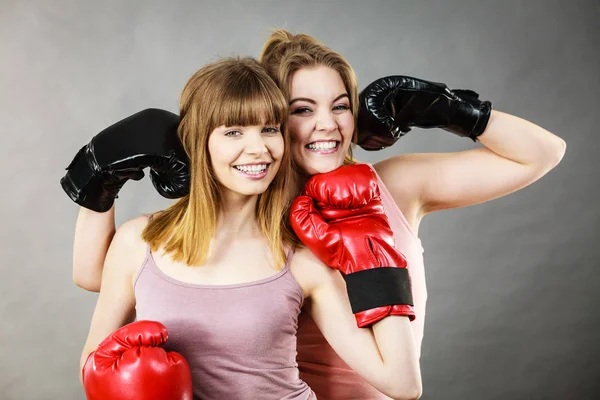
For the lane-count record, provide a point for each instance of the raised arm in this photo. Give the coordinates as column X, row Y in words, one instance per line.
column 93, row 233
column 516, row 153
column 147, row 139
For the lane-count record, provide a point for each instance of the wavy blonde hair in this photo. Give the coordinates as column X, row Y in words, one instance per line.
column 285, row 53
column 231, row 92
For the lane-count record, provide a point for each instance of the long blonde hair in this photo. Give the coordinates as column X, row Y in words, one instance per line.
column 285, row 53
column 230, row 92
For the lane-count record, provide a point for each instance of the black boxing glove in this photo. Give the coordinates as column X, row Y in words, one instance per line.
column 391, row 106
column 121, row 152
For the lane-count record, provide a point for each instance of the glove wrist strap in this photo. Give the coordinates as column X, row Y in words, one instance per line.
column 471, row 117
column 377, row 287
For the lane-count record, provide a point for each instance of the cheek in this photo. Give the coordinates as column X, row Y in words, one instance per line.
column 276, row 147
column 299, row 130
column 221, row 153
column 346, row 125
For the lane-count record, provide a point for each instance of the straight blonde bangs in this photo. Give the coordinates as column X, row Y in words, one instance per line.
column 249, row 103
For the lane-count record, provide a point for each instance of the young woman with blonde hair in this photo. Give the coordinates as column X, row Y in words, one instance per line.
column 327, row 115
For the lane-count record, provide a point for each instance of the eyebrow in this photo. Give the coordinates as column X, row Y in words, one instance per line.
column 311, row 101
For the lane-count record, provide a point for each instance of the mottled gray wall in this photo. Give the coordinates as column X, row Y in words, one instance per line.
column 513, row 283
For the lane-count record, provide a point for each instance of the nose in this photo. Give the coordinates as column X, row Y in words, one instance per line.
column 256, row 144
column 325, row 121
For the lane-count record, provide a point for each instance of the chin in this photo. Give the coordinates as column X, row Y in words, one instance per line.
column 250, row 189
column 312, row 164
column 253, row 192
column 321, row 167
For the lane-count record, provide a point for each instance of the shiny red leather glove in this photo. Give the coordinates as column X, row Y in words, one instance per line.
column 131, row 365
column 341, row 219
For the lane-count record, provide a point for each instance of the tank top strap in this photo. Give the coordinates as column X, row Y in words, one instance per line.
column 147, row 258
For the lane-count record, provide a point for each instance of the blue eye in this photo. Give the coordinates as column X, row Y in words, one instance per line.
column 233, row 133
column 271, row 130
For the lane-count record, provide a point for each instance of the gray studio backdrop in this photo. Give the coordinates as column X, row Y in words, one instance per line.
column 513, row 303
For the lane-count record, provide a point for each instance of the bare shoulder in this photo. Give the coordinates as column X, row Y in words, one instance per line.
column 310, row 272
column 128, row 248
column 131, row 230
column 402, row 168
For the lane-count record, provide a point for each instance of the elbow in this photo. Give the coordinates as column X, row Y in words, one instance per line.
column 87, row 283
column 556, row 152
column 550, row 156
column 403, row 390
column 413, row 393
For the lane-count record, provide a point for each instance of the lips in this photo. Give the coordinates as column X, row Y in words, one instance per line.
column 253, row 171
column 251, row 168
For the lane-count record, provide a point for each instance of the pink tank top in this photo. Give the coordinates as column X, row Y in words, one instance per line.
column 320, row 366
column 240, row 340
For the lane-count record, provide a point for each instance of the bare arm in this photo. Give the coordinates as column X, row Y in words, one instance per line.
column 116, row 302
column 93, row 233
column 516, row 154
column 384, row 355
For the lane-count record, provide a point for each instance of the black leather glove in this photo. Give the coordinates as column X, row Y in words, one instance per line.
column 391, row 106
column 121, row 152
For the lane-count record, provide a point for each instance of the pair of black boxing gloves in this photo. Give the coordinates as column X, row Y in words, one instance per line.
column 389, row 108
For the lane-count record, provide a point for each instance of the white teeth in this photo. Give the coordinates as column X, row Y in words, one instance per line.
column 323, row 145
column 251, row 169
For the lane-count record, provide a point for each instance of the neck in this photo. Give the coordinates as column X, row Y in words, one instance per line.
column 237, row 219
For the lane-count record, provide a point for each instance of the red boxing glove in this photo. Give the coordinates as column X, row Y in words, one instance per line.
column 341, row 219
column 131, row 365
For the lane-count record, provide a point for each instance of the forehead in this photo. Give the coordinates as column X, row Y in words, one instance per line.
column 317, row 83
